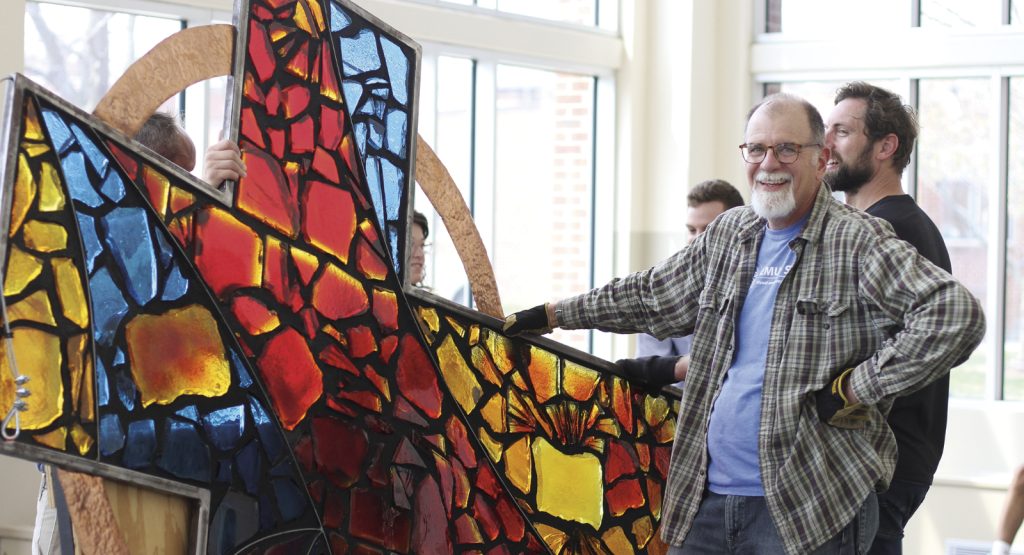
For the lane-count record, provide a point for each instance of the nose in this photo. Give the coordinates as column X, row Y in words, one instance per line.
column 770, row 160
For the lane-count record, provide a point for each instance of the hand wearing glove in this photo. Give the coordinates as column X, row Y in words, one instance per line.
column 532, row 320
column 837, row 408
column 654, row 372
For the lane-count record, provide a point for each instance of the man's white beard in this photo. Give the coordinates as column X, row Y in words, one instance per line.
column 774, row 205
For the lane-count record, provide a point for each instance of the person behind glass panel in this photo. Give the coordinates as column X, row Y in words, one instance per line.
column 417, row 255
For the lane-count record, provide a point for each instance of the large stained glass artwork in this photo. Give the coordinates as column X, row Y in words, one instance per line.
column 263, row 347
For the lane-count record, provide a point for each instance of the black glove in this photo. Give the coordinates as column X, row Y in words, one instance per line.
column 835, row 410
column 654, row 372
column 532, row 320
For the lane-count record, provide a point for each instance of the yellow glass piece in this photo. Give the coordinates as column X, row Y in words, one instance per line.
column 32, row 130
column 44, row 236
column 87, row 405
column 594, row 443
column 159, row 188
column 474, row 334
column 38, row 356
column 544, row 374
column 177, row 353
column 494, row 414
column 457, row 376
column 333, row 332
column 643, row 531
column 617, row 541
column 519, row 464
column 483, row 364
column 83, row 441
column 35, row 149
column 608, row 426
column 666, row 432
column 76, row 346
column 180, row 199
column 492, row 446
column 51, row 197
column 518, row 381
column 569, row 486
column 24, row 195
column 429, row 315
column 22, row 268
column 303, row 258
column 579, row 382
column 500, row 348
column 459, row 329
column 69, row 290
column 655, row 409
column 34, row 308
column 318, row 16
column 56, row 439
column 552, row 536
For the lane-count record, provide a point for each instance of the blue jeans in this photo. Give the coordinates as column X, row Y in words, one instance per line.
column 732, row 524
column 895, row 507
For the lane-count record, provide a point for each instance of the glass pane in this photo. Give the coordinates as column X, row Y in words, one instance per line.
column 1013, row 346
column 583, row 12
column 954, row 172
column 544, row 188
column 826, row 17
column 80, row 52
column 445, row 275
column 961, row 13
column 1016, row 12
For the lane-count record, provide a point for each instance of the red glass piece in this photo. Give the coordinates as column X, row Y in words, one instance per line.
column 265, row 194
column 295, row 99
column 405, row 411
column 273, row 99
column 361, row 341
column 277, row 4
column 338, row 543
column 378, row 471
column 299, row 64
column 533, row 544
column 622, row 461
column 430, row 532
column 654, row 495
column 252, row 91
column 316, row 489
column 486, row 517
column 459, row 437
column 511, row 520
column 251, row 129
column 338, row 407
column 253, row 315
column 302, row 135
column 181, row 228
column 368, row 263
column 291, row 376
column 447, row 477
column 325, row 165
column 462, row 484
column 329, row 219
column 387, row 348
column 417, row 378
column 372, row 518
column 366, row 399
column 314, row 77
column 661, row 458
column 643, row 452
column 370, row 232
column 227, row 252
column 406, row 454
column 499, row 549
column 467, row 531
column 624, row 495
column 332, row 127
column 329, row 84
column 340, row 450
column 622, row 408
column 487, row 482
column 128, row 163
column 306, row 264
column 261, row 13
column 303, row 450
column 385, row 309
column 334, row 513
column 338, row 295
column 260, row 51
column 275, row 271
column 348, row 153
column 377, row 380
column 333, row 355
column 310, row 323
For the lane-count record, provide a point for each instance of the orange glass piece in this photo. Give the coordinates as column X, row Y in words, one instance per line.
column 253, row 315
column 416, row 377
column 306, row 263
column 228, row 253
column 128, row 163
column 621, row 406
column 22, row 268
column 57, row 439
column 325, row 165
column 77, row 357
column 385, row 309
column 483, row 364
column 458, row 435
column 457, row 376
column 82, row 440
column 543, row 370
column 301, row 18
column 179, row 352
column 494, row 413
column 361, row 342
column 366, row 399
column 298, row 65
column 338, row 295
column 625, row 495
column 519, row 464
column 291, row 376
column 501, row 351
column 329, row 83
column 157, row 188
column 463, row 488
column 553, row 537
column 51, row 196
column 73, row 303
column 369, row 263
column 24, row 194
column 456, row 326
column 35, row 308
column 38, row 356
column 666, row 431
column 180, row 199
column 44, row 236
column 579, row 382
column 568, row 486
column 654, row 496
column 378, row 381
column 295, row 99
column 617, row 541
column 31, row 129
column 643, row 531
column 348, row 153
column 265, row 194
column 329, row 221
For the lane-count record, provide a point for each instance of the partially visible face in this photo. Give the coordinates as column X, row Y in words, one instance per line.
column 698, row 217
column 852, row 163
column 783, row 193
column 417, row 258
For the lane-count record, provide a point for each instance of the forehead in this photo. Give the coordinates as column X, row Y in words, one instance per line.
column 849, row 111
column 779, row 123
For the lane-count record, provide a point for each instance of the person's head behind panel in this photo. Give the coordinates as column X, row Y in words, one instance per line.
column 705, row 201
column 417, row 257
column 163, row 134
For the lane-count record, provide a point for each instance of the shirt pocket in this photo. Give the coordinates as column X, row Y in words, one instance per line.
column 714, row 324
column 840, row 326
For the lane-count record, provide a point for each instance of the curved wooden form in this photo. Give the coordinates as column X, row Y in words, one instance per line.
column 96, row 529
column 182, row 59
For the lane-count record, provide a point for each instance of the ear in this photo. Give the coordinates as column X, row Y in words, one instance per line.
column 887, row 146
column 823, row 158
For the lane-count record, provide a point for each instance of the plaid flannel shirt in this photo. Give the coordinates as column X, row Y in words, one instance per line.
column 856, row 297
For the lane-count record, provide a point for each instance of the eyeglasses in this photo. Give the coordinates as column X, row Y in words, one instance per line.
column 785, row 153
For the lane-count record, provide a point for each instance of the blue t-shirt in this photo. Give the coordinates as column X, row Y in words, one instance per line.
column 736, row 416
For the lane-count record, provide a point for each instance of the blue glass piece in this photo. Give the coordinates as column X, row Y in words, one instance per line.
column 290, row 500
column 119, row 357
column 268, row 517
column 138, row 453
column 339, row 19
column 271, row 437
column 225, row 427
column 81, row 189
column 398, row 70
column 183, row 452
column 380, row 86
column 366, row 108
column 111, row 434
column 393, row 241
column 393, row 185
column 59, row 132
column 113, row 187
column 102, row 388
column 353, row 92
column 175, row 286
column 244, row 379
column 224, row 468
column 359, row 54
column 99, row 162
column 380, row 93
column 376, row 134
column 125, row 389
column 108, row 305
column 372, row 167
column 127, row 235
column 164, row 249
column 379, row 106
column 397, row 130
column 360, row 131
column 91, row 241
column 189, row 413
column 249, row 466
column 233, row 523
column 283, row 469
